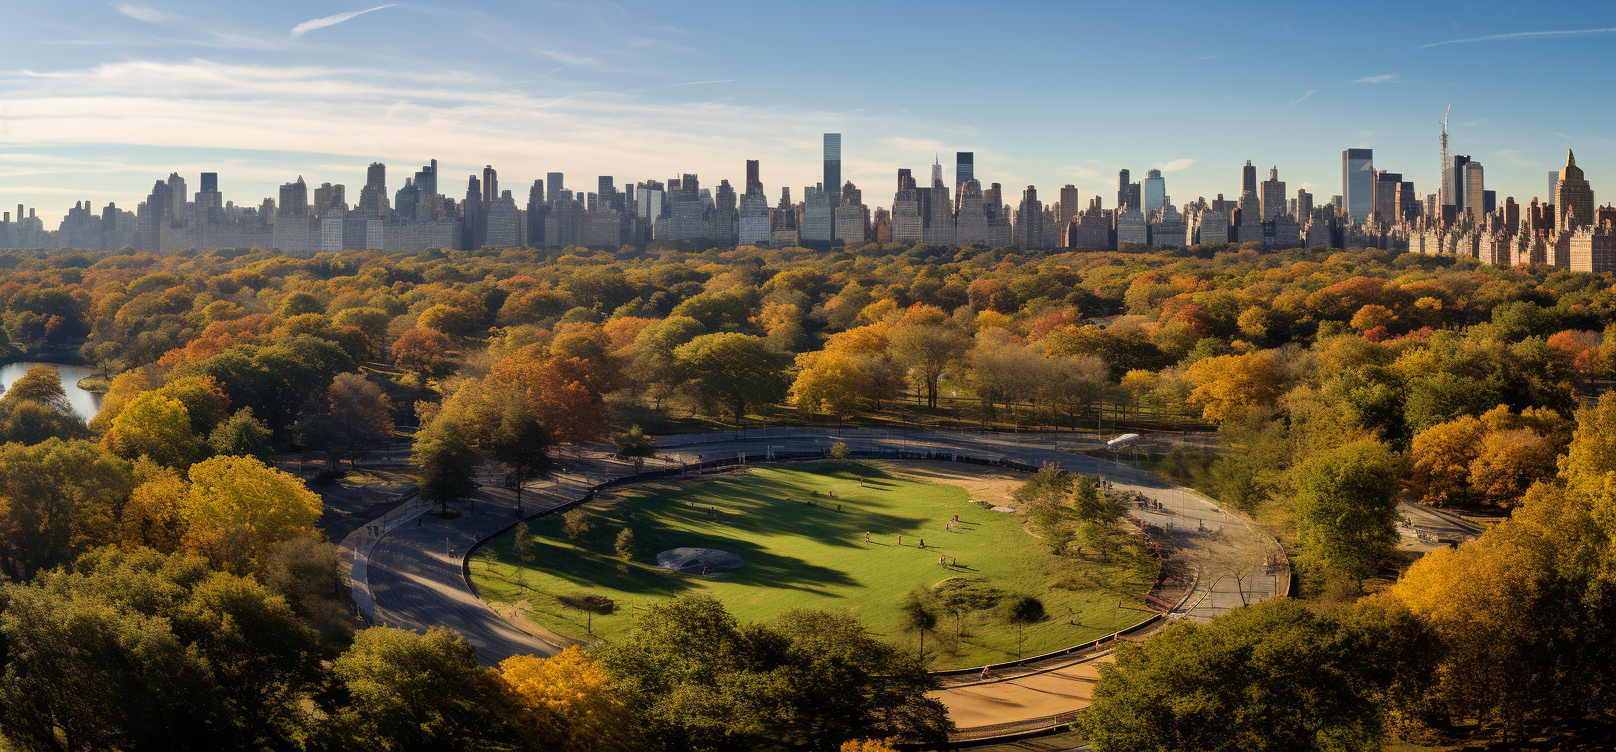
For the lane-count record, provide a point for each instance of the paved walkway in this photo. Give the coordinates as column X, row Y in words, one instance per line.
column 415, row 571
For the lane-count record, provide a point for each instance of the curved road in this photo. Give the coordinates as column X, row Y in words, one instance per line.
column 415, row 571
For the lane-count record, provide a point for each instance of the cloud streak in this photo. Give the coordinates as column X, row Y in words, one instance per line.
column 1523, row 35
column 1384, row 78
column 1310, row 92
column 320, row 23
column 1175, row 165
column 140, row 13
column 697, row 83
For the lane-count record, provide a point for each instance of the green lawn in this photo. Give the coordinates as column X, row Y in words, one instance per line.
column 812, row 556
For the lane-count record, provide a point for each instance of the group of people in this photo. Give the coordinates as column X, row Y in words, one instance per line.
column 942, row 559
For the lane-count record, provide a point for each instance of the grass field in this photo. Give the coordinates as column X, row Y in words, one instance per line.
column 810, row 555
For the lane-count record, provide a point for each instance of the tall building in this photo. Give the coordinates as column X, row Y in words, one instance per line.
column 1272, row 194
column 1248, row 179
column 852, row 218
column 607, row 192
column 210, row 182
column 1069, row 206
column 1304, row 204
column 964, row 169
column 1358, row 184
column 1573, row 196
column 753, row 183
column 1122, row 189
column 1475, row 191
column 1154, row 190
column 537, row 210
column 939, row 213
column 833, row 168
column 1028, row 231
column 294, row 201
column 553, row 183
column 373, row 197
column 1554, row 184
column 1456, row 180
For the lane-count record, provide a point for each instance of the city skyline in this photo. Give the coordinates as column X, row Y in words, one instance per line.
column 101, row 97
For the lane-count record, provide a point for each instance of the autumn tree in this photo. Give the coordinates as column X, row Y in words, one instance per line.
column 1440, row 459
column 157, row 426
column 422, row 350
column 926, row 343
column 57, row 498
column 360, row 412
column 1226, row 385
column 242, row 435
column 567, row 701
column 236, row 508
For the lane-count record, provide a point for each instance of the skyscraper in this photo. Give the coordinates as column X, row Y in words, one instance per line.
column 1475, row 197
column 1122, row 189
column 1248, row 179
column 833, row 168
column 1358, row 183
column 1069, row 206
column 210, row 181
column 1272, row 193
column 1154, row 190
column 753, row 183
column 964, row 168
column 373, row 197
column 553, row 186
column 606, row 191
column 490, row 186
column 1456, row 182
column 1573, row 197
column 1554, row 184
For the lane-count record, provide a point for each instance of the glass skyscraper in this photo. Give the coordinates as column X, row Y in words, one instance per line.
column 833, row 168
column 1358, row 183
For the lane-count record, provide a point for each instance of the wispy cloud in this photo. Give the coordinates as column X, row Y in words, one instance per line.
column 1310, row 92
column 696, row 83
column 141, row 13
column 1523, row 35
column 1175, row 165
column 320, row 23
column 1384, row 78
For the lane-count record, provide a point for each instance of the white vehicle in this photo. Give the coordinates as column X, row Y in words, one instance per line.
column 1122, row 441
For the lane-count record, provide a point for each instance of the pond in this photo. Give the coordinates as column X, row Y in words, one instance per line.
column 85, row 404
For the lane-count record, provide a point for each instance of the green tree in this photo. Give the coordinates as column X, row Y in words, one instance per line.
column 57, row 498
column 1091, row 505
column 960, row 597
column 625, row 544
column 444, row 463
column 523, row 545
column 522, row 444
column 1271, row 677
column 919, row 615
column 1346, row 506
column 576, row 525
column 418, row 693
column 1019, row 611
column 242, row 435
column 733, row 370
column 635, row 445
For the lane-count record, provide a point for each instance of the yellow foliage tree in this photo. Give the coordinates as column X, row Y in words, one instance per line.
column 1227, row 385
column 1440, row 457
column 154, row 516
column 157, row 426
column 567, row 702
column 237, row 508
column 868, row 745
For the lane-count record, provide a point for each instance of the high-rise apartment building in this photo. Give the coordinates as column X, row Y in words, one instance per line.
column 373, row 197
column 964, row 169
column 753, row 183
column 1272, row 194
column 1154, row 190
column 833, row 168
column 1573, row 196
column 1069, row 206
column 1358, row 184
column 1122, row 189
column 294, row 199
column 210, row 182
column 1248, row 179
column 1554, row 184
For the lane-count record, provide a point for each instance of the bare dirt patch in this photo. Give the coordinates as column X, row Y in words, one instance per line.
column 982, row 483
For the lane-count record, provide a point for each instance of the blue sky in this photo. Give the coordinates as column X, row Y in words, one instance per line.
column 99, row 99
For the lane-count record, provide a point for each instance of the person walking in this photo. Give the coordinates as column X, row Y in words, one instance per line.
column 942, row 560
column 866, row 537
column 900, row 539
